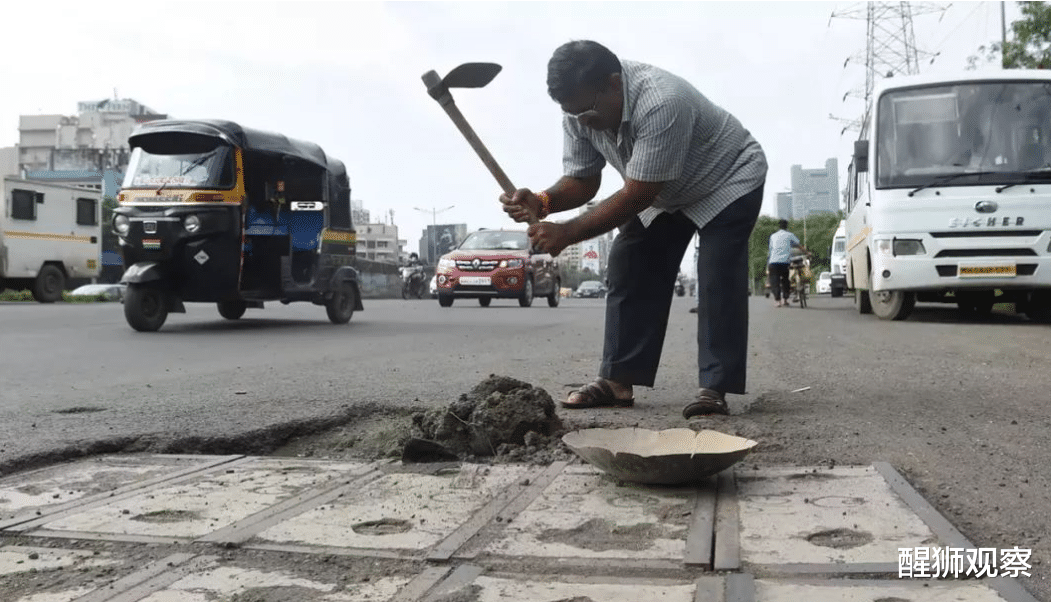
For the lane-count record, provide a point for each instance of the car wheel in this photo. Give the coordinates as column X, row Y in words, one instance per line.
column 49, row 284
column 484, row 301
column 232, row 310
column 527, row 295
column 555, row 296
column 145, row 307
column 445, row 300
column 340, row 308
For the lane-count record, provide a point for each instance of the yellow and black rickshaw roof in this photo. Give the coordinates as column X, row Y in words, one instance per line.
column 248, row 139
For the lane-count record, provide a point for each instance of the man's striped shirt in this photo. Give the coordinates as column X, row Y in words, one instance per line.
column 670, row 132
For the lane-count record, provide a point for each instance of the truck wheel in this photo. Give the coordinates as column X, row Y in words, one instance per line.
column 892, row 305
column 145, row 307
column 232, row 310
column 49, row 284
column 340, row 307
column 527, row 295
column 861, row 301
column 1038, row 308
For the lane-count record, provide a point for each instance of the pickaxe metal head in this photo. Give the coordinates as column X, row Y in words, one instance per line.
column 467, row 75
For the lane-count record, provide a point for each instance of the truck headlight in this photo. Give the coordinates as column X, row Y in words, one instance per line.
column 192, row 223
column 899, row 246
column 908, row 247
column 121, row 225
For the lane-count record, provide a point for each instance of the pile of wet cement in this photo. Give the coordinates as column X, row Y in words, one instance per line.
column 500, row 417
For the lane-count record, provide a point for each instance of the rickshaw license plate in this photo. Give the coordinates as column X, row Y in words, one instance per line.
column 988, row 271
column 475, row 280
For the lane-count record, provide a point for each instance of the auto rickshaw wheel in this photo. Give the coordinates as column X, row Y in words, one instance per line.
column 340, row 307
column 233, row 309
column 49, row 283
column 145, row 307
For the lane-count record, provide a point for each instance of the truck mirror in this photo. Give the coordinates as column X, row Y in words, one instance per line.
column 861, row 155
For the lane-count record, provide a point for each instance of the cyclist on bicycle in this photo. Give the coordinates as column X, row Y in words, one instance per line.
column 778, row 260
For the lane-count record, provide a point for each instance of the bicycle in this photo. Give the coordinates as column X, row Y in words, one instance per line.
column 799, row 275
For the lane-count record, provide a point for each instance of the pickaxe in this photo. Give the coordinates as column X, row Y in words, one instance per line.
column 468, row 75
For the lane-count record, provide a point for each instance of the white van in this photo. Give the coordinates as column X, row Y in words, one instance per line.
column 49, row 234
column 838, row 258
column 949, row 196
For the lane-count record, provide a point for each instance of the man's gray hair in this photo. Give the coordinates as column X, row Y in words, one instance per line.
column 578, row 64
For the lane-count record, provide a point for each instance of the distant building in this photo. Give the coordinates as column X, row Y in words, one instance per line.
column 9, row 161
column 815, row 190
column 88, row 149
column 784, row 205
column 378, row 242
column 358, row 213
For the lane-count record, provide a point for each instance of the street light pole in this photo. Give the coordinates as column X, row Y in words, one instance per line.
column 434, row 222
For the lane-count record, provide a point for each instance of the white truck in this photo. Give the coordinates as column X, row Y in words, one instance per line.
column 49, row 234
column 949, row 195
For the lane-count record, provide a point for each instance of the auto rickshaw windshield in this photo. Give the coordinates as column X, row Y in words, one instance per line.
column 212, row 169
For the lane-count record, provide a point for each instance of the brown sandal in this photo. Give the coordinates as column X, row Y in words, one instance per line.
column 597, row 394
column 708, row 403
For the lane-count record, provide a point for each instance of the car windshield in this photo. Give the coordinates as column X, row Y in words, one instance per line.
column 212, row 169
column 964, row 134
column 590, row 284
column 496, row 239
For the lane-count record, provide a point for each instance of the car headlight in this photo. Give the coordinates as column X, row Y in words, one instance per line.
column 511, row 263
column 446, row 264
column 121, row 225
column 192, row 223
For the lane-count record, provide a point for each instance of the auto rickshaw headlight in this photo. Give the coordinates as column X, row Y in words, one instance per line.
column 121, row 225
column 192, row 223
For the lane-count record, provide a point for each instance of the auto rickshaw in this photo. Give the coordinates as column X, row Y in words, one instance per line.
column 213, row 212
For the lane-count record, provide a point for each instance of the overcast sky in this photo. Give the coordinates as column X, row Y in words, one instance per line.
column 346, row 75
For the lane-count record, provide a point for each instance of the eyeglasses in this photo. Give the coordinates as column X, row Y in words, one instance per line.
column 586, row 111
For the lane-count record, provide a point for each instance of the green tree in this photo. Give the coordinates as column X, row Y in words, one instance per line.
column 1031, row 46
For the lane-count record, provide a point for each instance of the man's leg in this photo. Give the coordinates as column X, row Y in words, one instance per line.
column 643, row 265
column 722, row 276
column 774, row 278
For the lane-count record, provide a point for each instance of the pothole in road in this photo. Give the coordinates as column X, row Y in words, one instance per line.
column 840, row 538
column 383, row 526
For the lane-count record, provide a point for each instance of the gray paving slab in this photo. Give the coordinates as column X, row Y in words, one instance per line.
column 502, row 532
column 404, row 512
column 195, row 505
column 767, row 590
column 834, row 518
column 30, row 495
column 584, row 514
column 473, row 583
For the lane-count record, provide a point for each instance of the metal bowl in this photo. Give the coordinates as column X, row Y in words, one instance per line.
column 668, row 457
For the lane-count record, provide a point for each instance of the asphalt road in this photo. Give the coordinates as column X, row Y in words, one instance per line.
column 961, row 406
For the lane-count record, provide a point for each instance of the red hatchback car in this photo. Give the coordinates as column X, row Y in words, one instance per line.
column 496, row 264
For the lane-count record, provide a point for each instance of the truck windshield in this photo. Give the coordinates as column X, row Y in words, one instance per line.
column 978, row 132
column 213, row 169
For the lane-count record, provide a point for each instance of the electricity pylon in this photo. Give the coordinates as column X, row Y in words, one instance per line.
column 890, row 47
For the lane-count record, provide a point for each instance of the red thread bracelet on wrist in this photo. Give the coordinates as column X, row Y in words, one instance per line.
column 545, row 204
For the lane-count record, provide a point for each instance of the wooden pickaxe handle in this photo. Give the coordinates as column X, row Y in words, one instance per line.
column 476, row 143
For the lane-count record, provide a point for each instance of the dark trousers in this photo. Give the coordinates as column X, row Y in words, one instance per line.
column 779, row 281
column 643, row 265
